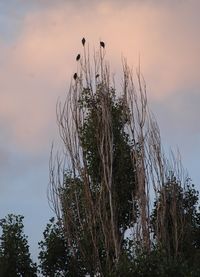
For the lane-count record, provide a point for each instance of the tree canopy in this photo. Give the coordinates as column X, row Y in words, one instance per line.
column 14, row 250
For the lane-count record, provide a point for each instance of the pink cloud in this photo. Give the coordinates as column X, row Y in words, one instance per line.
column 38, row 67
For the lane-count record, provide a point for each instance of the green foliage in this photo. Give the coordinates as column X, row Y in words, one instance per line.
column 53, row 254
column 14, row 250
column 87, row 207
column 56, row 259
column 155, row 263
column 181, row 216
column 123, row 167
column 74, row 203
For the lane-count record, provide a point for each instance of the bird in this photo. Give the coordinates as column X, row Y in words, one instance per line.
column 102, row 44
column 75, row 76
column 83, row 41
column 78, row 57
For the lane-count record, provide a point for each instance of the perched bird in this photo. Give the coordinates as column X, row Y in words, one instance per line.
column 102, row 44
column 78, row 57
column 83, row 41
column 75, row 76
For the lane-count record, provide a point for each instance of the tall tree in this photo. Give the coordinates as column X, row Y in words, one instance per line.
column 112, row 159
column 15, row 258
column 102, row 189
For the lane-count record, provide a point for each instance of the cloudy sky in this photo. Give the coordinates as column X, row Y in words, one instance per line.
column 39, row 40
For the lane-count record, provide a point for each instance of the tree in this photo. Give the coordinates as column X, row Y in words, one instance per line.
column 112, row 158
column 176, row 220
column 14, row 250
column 116, row 212
column 102, row 188
column 55, row 256
column 53, row 252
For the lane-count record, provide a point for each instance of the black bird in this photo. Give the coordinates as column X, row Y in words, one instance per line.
column 78, row 57
column 102, row 44
column 83, row 41
column 75, row 76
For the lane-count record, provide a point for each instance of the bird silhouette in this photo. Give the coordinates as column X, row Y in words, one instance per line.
column 75, row 76
column 78, row 57
column 102, row 44
column 83, row 41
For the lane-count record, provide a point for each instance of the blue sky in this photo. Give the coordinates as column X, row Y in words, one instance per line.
column 38, row 42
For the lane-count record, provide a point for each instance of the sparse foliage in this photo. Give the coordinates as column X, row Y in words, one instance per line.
column 100, row 188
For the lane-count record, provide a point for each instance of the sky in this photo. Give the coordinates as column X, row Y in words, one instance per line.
column 39, row 40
